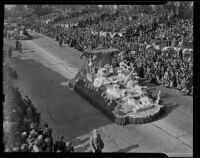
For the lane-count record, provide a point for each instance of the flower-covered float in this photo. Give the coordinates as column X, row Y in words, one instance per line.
column 113, row 88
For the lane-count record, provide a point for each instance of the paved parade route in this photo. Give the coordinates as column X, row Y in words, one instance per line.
column 44, row 69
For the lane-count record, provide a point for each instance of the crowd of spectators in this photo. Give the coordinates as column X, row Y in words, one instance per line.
column 140, row 38
column 160, row 29
column 131, row 35
column 167, row 68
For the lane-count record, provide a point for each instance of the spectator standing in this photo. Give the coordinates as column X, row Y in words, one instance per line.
column 17, row 44
column 20, row 48
column 96, row 142
column 10, row 52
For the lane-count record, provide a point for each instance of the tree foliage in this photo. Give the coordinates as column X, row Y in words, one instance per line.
column 15, row 12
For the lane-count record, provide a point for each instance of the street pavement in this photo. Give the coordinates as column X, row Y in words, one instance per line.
column 44, row 69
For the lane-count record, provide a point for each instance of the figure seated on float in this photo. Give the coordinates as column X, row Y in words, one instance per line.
column 133, row 105
column 120, row 77
column 158, row 97
column 124, row 67
column 109, row 70
column 113, row 91
column 101, row 78
column 89, row 69
column 137, row 90
column 128, row 103
column 145, row 101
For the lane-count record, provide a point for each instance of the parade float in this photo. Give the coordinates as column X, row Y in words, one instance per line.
column 13, row 31
column 113, row 88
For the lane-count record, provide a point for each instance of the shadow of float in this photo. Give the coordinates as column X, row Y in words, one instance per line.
column 167, row 110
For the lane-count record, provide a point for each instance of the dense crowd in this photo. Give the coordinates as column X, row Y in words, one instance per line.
column 132, row 35
column 160, row 29
column 167, row 68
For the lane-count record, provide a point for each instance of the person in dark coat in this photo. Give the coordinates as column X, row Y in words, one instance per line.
column 96, row 143
column 20, row 47
column 17, row 44
column 10, row 52
column 140, row 71
column 181, row 54
column 48, row 145
column 60, row 41
column 47, row 132
column 60, row 144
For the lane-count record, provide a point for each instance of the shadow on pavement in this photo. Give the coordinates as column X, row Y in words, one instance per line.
column 165, row 95
column 168, row 109
column 129, row 148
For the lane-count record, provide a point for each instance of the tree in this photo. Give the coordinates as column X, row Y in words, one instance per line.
column 15, row 12
column 35, row 9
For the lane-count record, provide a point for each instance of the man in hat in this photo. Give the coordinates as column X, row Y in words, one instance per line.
column 47, row 132
column 96, row 142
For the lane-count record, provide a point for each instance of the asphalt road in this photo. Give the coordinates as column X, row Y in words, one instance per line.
column 44, row 69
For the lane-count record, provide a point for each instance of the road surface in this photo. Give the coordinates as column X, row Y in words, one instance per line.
column 44, row 69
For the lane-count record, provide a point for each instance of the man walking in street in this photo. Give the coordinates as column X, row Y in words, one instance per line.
column 17, row 44
column 20, row 47
column 96, row 143
column 10, row 52
column 60, row 41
